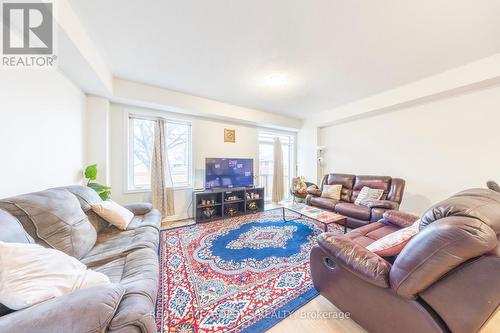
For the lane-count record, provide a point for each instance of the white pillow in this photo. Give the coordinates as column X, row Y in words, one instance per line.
column 113, row 213
column 331, row 191
column 368, row 194
column 31, row 273
column 393, row 243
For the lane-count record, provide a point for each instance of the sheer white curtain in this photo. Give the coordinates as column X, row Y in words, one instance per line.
column 162, row 189
column 278, row 185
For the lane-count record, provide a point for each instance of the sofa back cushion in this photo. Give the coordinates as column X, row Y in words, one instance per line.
column 12, row 231
column 55, row 219
column 373, row 182
column 346, row 180
column 479, row 203
column 397, row 189
column 87, row 197
column 453, row 231
column 438, row 249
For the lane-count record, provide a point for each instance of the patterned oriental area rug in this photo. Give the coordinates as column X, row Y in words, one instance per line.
column 242, row 274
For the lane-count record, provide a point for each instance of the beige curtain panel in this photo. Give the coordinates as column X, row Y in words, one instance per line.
column 278, row 184
column 162, row 189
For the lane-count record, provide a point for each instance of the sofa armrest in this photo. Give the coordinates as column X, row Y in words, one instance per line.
column 398, row 218
column 387, row 204
column 139, row 208
column 379, row 207
column 356, row 259
column 135, row 311
column 314, row 190
column 87, row 310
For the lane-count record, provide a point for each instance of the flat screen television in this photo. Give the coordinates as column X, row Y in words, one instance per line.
column 228, row 172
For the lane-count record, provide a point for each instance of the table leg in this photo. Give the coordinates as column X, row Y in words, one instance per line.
column 293, row 219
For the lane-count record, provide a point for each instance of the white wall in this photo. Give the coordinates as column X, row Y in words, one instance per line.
column 307, row 154
column 439, row 148
column 42, row 135
column 98, row 136
column 208, row 141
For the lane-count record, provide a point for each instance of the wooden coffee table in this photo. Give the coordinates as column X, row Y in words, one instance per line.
column 322, row 216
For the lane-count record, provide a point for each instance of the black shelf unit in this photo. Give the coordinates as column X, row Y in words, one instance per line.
column 219, row 202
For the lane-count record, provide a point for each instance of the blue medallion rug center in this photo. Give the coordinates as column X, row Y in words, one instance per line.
column 261, row 237
column 234, row 275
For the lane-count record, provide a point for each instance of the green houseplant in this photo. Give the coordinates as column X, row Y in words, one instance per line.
column 91, row 175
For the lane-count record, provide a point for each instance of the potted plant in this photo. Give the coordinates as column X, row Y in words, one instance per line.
column 91, row 175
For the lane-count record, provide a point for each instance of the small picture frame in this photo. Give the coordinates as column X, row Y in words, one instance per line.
column 229, row 135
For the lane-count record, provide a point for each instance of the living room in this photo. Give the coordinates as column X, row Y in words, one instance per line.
column 192, row 166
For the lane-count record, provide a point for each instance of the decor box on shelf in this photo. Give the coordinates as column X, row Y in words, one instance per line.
column 211, row 205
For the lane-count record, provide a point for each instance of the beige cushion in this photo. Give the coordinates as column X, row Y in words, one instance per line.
column 392, row 244
column 112, row 212
column 31, row 274
column 368, row 194
column 331, row 191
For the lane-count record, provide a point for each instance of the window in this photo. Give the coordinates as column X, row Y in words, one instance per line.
column 266, row 160
column 141, row 139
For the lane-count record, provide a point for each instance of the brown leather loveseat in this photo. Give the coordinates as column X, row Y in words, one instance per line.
column 446, row 279
column 358, row 215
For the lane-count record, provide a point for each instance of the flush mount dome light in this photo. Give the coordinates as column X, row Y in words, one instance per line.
column 275, row 80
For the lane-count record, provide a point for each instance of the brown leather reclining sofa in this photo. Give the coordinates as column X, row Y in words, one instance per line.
column 446, row 279
column 358, row 215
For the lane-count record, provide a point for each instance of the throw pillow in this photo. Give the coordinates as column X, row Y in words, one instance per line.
column 32, row 274
column 298, row 185
column 113, row 213
column 368, row 194
column 331, row 191
column 392, row 244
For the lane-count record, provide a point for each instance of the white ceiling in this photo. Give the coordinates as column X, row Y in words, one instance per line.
column 331, row 52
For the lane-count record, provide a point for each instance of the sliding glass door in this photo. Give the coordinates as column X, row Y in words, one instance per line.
column 266, row 160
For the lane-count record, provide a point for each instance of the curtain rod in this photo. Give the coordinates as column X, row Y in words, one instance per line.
column 143, row 117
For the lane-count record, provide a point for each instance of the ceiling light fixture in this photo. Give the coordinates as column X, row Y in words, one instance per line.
column 275, row 80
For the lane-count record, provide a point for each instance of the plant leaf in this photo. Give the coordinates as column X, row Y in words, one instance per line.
column 105, row 195
column 99, row 188
column 91, row 172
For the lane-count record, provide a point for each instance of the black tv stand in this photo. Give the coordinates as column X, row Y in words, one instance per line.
column 216, row 204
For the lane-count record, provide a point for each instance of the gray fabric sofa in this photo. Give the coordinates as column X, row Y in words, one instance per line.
column 62, row 218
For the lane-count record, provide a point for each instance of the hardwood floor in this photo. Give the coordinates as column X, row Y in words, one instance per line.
column 317, row 316
column 175, row 224
column 321, row 316
column 493, row 325
column 305, row 320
